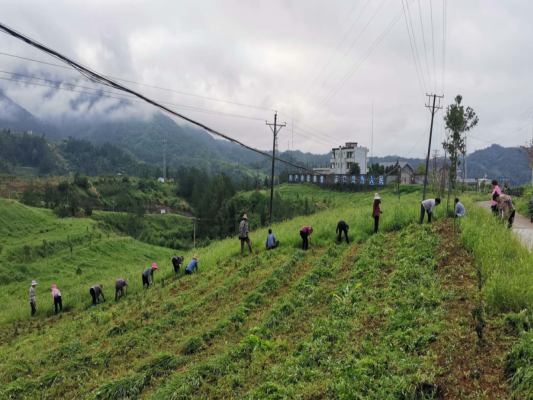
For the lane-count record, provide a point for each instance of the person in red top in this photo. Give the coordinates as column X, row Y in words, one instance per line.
column 305, row 233
column 495, row 190
column 376, row 213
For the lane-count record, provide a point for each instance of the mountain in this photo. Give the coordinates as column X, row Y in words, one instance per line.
column 187, row 145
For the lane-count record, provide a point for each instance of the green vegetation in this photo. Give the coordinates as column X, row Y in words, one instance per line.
column 365, row 320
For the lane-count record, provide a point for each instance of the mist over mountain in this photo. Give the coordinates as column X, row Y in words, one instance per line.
column 143, row 137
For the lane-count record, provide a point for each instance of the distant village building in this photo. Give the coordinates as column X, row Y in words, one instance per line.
column 406, row 172
column 342, row 159
column 160, row 179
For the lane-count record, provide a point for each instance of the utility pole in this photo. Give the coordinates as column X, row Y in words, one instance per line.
column 432, row 110
column 275, row 129
column 372, row 139
column 399, row 173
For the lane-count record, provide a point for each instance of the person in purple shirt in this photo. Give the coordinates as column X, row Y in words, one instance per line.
column 305, row 233
column 495, row 190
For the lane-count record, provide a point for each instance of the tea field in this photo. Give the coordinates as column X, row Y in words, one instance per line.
column 409, row 313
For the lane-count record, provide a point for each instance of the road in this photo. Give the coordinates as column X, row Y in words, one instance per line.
column 522, row 226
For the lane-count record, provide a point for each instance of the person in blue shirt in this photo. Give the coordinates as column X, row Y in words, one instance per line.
column 271, row 243
column 192, row 265
column 459, row 209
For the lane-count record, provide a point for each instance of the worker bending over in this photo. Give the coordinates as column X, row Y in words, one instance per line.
column 342, row 227
column 428, row 206
column 192, row 265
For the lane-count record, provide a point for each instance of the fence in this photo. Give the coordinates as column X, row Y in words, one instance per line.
column 342, row 182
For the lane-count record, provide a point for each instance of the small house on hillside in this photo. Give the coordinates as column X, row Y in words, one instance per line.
column 406, row 172
column 160, row 179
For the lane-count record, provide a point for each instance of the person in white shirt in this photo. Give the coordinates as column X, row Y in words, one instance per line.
column 459, row 209
column 428, row 206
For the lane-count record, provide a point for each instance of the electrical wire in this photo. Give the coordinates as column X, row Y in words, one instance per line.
column 345, row 54
column 335, row 52
column 361, row 61
column 143, row 84
column 92, row 75
column 129, row 99
column 424, row 41
column 318, row 62
column 433, row 43
column 413, row 52
column 416, row 51
column 195, row 109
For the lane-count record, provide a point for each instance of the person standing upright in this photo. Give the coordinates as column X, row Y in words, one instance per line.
column 243, row 234
column 56, row 295
column 495, row 190
column 147, row 274
column 342, row 227
column 376, row 212
column 33, row 304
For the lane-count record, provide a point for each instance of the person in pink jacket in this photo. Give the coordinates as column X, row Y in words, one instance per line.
column 495, row 190
column 56, row 295
column 305, row 233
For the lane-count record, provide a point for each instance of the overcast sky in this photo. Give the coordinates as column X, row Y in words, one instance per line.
column 291, row 55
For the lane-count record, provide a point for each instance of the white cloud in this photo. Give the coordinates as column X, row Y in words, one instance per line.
column 260, row 53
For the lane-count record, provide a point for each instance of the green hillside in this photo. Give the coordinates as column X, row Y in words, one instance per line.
column 388, row 316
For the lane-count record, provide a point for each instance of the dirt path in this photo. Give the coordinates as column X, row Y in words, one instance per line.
column 522, row 226
column 471, row 367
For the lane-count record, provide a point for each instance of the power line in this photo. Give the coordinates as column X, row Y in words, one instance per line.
column 349, row 30
column 360, row 62
column 413, row 52
column 433, row 43
column 307, row 126
column 129, row 99
column 335, row 52
column 345, row 54
column 416, row 50
column 424, row 41
column 143, row 84
column 178, row 107
column 99, row 78
column 183, row 107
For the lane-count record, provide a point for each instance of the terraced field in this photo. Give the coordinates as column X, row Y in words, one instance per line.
column 388, row 316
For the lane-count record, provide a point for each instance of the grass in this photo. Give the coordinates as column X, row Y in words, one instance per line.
column 353, row 321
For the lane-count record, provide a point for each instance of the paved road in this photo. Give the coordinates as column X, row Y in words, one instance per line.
column 522, row 226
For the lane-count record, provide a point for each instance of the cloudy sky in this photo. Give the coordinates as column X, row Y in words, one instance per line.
column 324, row 63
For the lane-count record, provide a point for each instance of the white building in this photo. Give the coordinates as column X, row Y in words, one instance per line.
column 342, row 159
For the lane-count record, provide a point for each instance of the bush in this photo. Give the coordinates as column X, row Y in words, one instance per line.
column 81, row 180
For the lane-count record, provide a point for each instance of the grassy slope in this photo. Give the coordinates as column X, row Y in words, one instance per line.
column 337, row 320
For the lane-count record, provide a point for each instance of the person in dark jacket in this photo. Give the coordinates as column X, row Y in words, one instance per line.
column 176, row 262
column 192, row 265
column 305, row 233
column 243, row 234
column 376, row 212
column 271, row 242
column 343, row 227
column 147, row 274
column 96, row 291
column 120, row 284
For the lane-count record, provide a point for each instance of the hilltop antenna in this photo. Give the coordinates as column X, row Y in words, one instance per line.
column 165, row 157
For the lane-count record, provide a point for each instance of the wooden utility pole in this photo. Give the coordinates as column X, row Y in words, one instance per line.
column 432, row 110
column 275, row 129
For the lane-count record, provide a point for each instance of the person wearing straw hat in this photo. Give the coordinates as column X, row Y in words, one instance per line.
column 32, row 298
column 149, row 272
column 56, row 295
column 376, row 212
column 243, row 234
column 192, row 265
column 342, row 226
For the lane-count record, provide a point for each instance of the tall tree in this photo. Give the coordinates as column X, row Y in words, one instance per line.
column 458, row 121
column 527, row 152
column 355, row 169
